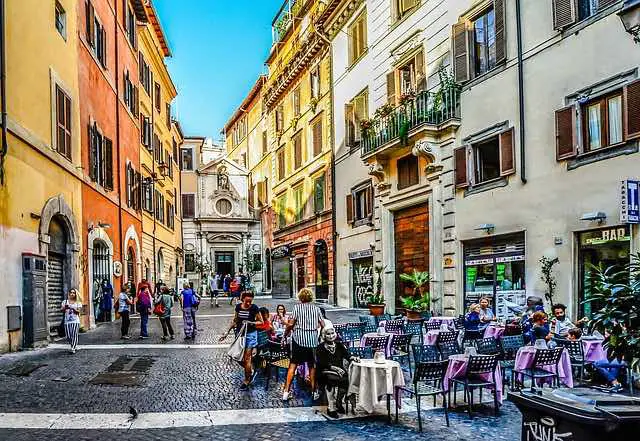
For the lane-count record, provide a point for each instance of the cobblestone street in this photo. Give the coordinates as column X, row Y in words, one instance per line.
column 180, row 383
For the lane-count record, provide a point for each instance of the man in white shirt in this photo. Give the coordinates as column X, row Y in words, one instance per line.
column 561, row 324
column 214, row 287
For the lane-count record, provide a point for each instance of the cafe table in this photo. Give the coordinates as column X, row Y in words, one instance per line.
column 371, row 380
column 458, row 367
column 431, row 337
column 526, row 356
column 593, row 350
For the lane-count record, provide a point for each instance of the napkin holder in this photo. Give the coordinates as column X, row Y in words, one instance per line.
column 379, row 357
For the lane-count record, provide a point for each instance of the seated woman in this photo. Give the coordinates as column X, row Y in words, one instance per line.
column 540, row 329
column 331, row 370
column 266, row 325
column 280, row 320
column 472, row 319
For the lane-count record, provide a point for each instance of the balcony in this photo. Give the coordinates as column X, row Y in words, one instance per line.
column 427, row 109
column 284, row 19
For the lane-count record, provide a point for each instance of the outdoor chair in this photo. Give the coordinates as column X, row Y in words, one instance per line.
column 424, row 353
column 576, row 355
column 479, row 368
column 487, row 346
column 339, row 327
column 432, row 325
column 470, row 336
column 370, row 324
column 509, row 346
column 361, row 352
column 414, row 328
column 446, row 337
column 400, row 348
column 350, row 336
column 377, row 343
column 458, row 322
column 383, row 318
column 394, row 326
column 428, row 381
column 355, row 325
column 276, row 356
column 448, row 349
column 543, row 363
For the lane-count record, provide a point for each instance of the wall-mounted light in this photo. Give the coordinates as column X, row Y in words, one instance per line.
column 598, row 216
column 630, row 17
column 488, row 228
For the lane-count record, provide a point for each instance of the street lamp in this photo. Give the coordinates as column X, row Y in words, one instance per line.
column 630, row 17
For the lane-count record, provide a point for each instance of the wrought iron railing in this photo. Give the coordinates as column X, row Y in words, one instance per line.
column 284, row 19
column 426, row 108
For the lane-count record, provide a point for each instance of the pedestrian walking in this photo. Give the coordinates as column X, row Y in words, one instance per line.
column 188, row 300
column 71, row 308
column 162, row 308
column 215, row 289
column 305, row 321
column 144, row 305
column 249, row 314
column 106, row 302
column 236, row 289
column 226, row 285
column 124, row 306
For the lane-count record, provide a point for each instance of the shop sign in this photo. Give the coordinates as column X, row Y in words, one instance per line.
column 630, row 201
column 479, row 261
column 617, row 234
column 281, row 252
column 509, row 258
column 361, row 254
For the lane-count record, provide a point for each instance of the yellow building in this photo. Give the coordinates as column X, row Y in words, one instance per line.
column 160, row 138
column 297, row 100
column 40, row 195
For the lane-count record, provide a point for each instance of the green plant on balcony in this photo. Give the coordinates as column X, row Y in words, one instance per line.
column 383, row 111
column 407, row 98
column 294, row 122
column 445, row 99
column 367, row 126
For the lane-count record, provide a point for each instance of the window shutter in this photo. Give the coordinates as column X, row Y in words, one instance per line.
column 91, row 23
column 564, row 13
column 317, row 137
column 566, row 133
column 349, row 208
column 108, row 164
column 391, row 88
column 421, row 78
column 632, row 109
column 507, row 153
column 460, row 157
column 92, row 154
column 353, row 39
column 460, row 48
column 604, row 4
column 349, row 125
column 362, row 34
column 369, row 200
column 104, row 48
column 136, row 101
column 128, row 184
column 501, row 41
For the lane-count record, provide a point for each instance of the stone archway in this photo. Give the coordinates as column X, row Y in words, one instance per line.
column 132, row 236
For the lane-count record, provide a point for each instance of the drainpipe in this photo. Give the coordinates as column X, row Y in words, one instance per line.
column 153, row 181
column 523, row 169
column 119, row 191
column 3, row 91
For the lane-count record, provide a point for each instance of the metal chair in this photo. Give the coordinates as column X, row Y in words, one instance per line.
column 400, row 348
column 383, row 318
column 414, row 328
column 487, row 346
column 576, row 355
column 509, row 346
column 428, row 381
column 339, row 327
column 424, row 353
column 370, row 324
column 355, row 325
column 276, row 356
column 394, row 326
column 458, row 322
column 471, row 335
column 448, row 349
column 432, row 325
column 446, row 337
column 361, row 352
column 544, row 360
column 377, row 343
column 351, row 336
column 478, row 368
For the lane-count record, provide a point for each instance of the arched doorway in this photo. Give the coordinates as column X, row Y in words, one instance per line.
column 322, row 270
column 100, row 272
column 56, row 271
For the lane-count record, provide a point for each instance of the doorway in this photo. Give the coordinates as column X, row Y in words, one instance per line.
column 322, row 270
column 300, row 274
column 411, row 234
column 56, row 273
column 225, row 262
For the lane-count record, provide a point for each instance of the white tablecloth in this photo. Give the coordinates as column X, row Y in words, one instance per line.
column 371, row 381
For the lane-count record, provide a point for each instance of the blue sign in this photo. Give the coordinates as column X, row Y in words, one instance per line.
column 630, row 201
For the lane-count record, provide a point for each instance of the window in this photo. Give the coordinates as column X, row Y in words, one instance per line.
column 130, row 25
column 402, row 8
column 296, row 101
column 188, row 206
column 63, row 123
column 223, row 207
column 168, row 115
column 297, row 151
column 61, row 20
column 145, row 131
column 130, row 94
column 190, row 262
column 157, row 148
column 147, row 196
column 100, row 158
column 485, row 160
column 316, row 130
column 315, row 82
column 144, row 72
column 170, row 215
column 262, row 193
column 319, row 194
column 603, row 122
column 158, row 97
column 409, row 78
column 133, row 187
column 186, row 161
column 408, row 173
column 96, row 34
column 239, row 131
column 282, row 211
column 360, row 205
column 298, row 200
column 357, row 38
column 265, row 143
column 279, row 118
column 159, row 206
column 568, row 12
column 356, row 111
column 484, row 42
column 280, row 158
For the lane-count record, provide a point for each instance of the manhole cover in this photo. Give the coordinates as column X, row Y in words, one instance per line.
column 127, row 370
column 24, row 370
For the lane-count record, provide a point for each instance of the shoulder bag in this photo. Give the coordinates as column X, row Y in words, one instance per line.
column 236, row 350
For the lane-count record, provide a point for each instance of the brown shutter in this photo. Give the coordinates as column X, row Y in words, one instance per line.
column 104, row 48
column 507, row 153
column 460, row 158
column 460, row 52
column 501, row 40
column 349, row 208
column 564, row 13
column 317, row 137
column 348, row 124
column 565, row 133
column 108, row 163
column 632, row 109
column 391, row 88
column 136, row 101
column 91, row 23
column 421, row 78
column 604, row 4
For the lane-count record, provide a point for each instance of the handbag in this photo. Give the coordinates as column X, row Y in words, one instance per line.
column 236, row 350
column 159, row 309
column 117, row 315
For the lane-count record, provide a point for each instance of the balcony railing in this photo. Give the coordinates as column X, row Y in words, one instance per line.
column 283, row 21
column 432, row 108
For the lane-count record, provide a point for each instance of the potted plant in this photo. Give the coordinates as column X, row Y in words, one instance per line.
column 420, row 302
column 375, row 300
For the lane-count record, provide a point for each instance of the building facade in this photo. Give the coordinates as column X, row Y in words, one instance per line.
column 298, row 105
column 540, row 174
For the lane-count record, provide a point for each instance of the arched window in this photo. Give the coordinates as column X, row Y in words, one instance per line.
column 131, row 265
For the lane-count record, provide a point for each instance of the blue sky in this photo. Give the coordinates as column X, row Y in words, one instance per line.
column 219, row 48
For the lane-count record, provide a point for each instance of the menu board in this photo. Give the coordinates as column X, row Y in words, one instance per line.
column 281, row 278
column 362, row 281
column 506, row 299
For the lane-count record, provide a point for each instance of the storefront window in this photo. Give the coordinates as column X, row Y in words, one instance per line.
column 362, row 281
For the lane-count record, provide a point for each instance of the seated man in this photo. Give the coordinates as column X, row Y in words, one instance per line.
column 331, row 356
column 609, row 370
column 561, row 324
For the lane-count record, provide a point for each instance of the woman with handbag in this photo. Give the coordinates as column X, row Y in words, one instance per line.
column 143, row 305
column 124, row 303
column 162, row 309
column 247, row 315
column 71, row 309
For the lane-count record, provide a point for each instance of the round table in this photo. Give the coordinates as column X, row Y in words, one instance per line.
column 593, row 350
column 526, row 355
column 458, row 367
column 363, row 340
column 371, row 380
column 494, row 331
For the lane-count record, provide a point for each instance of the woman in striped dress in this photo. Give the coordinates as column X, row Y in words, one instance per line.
column 305, row 321
column 71, row 309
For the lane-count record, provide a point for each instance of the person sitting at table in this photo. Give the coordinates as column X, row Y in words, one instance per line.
column 486, row 314
column 266, row 325
column 574, row 334
column 540, row 328
column 472, row 319
column 332, row 359
column 609, row 370
column 561, row 324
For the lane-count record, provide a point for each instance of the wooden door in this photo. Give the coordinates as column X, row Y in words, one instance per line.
column 411, row 232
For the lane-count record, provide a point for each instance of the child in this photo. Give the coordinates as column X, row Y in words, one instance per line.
column 540, row 328
column 574, row 334
column 266, row 325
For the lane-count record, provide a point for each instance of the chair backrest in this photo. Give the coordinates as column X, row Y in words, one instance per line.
column 446, row 336
column 355, row 325
column 382, row 318
column 447, row 349
column 394, row 326
column 430, row 371
column 351, row 334
column 432, row 324
column 362, row 352
column 547, row 357
column 367, row 319
column 510, row 345
column 401, row 341
column 276, row 351
column 458, row 322
column 472, row 334
column 481, row 364
column 377, row 342
column 487, row 346
column 574, row 347
column 413, row 327
column 424, row 353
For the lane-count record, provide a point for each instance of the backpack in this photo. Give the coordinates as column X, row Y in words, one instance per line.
column 144, row 302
